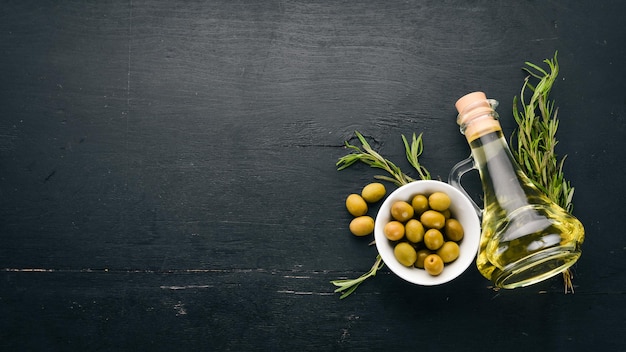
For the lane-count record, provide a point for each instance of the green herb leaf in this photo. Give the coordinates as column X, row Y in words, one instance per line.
column 413, row 152
column 370, row 157
column 348, row 286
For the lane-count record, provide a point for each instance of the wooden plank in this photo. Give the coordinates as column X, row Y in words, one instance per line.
column 168, row 180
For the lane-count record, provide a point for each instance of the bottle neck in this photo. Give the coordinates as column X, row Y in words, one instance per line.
column 478, row 119
column 503, row 182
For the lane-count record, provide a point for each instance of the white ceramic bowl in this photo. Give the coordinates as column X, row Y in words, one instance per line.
column 463, row 211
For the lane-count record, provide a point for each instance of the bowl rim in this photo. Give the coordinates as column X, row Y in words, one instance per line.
column 463, row 211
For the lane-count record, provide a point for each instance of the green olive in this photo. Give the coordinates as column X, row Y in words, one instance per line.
column 401, row 211
column 356, row 205
column 439, row 201
column 362, row 225
column 394, row 230
column 433, row 264
column 419, row 203
column 373, row 192
column 405, row 254
column 433, row 219
column 454, row 230
column 421, row 256
column 449, row 251
column 414, row 231
column 447, row 214
column 433, row 239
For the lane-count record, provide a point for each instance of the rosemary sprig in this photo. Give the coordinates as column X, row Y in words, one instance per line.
column 536, row 139
column 347, row 286
column 536, row 135
column 372, row 158
column 413, row 152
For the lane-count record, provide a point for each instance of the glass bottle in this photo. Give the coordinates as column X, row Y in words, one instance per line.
column 526, row 238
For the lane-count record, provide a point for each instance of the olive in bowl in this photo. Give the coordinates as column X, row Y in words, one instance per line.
column 459, row 208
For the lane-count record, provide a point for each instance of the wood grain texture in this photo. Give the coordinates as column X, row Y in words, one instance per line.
column 168, row 181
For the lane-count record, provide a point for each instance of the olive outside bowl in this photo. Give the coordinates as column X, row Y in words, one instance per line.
column 461, row 209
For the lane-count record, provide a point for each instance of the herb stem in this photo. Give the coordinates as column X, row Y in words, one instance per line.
column 347, row 286
column 372, row 158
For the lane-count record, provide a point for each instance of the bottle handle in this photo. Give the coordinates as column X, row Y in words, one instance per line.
column 454, row 179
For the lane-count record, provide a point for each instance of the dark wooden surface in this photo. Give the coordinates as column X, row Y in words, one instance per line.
column 167, row 177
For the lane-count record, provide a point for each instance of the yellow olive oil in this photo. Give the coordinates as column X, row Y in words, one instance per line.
column 526, row 238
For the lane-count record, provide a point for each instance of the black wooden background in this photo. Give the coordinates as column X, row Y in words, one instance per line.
column 168, row 180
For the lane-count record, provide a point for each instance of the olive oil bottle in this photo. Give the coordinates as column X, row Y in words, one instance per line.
column 526, row 238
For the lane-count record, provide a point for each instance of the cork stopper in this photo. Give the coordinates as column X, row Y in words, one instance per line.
column 477, row 116
column 469, row 99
